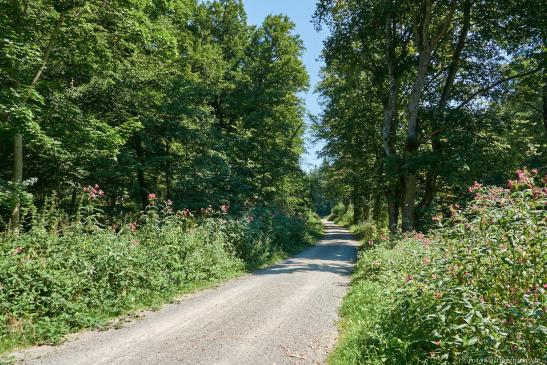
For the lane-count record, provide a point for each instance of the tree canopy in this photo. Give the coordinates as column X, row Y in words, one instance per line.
column 180, row 98
column 421, row 98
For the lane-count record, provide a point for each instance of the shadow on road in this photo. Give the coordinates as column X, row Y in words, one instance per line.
column 335, row 253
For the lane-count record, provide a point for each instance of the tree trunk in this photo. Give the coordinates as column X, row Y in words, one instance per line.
column 168, row 176
column 73, row 201
column 432, row 174
column 15, row 221
column 426, row 44
column 392, row 209
column 544, row 101
column 143, row 191
column 18, row 139
column 409, row 170
column 389, row 127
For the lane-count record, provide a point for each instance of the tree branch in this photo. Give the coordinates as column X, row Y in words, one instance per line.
column 491, row 86
column 446, row 24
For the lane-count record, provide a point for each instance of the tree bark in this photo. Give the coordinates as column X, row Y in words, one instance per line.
column 432, row 174
column 426, row 45
column 15, row 221
column 390, row 122
column 392, row 208
column 143, row 190
column 18, row 139
column 409, row 170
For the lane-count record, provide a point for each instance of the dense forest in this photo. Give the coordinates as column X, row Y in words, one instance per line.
column 181, row 99
column 422, row 98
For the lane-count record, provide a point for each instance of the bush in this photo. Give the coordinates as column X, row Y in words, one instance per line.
column 473, row 289
column 58, row 278
column 342, row 214
column 337, row 211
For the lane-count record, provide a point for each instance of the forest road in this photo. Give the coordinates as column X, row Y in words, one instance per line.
column 285, row 314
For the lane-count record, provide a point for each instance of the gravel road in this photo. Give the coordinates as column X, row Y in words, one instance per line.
column 285, row 314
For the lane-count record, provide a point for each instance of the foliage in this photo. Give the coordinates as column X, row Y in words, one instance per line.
column 183, row 98
column 59, row 278
column 472, row 290
column 421, row 98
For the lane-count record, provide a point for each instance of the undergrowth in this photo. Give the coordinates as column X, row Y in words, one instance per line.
column 57, row 278
column 471, row 291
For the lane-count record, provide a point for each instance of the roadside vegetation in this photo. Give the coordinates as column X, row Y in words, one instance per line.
column 474, row 288
column 59, row 277
column 146, row 148
column 430, row 107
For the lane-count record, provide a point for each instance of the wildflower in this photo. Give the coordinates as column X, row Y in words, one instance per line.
column 437, row 218
column 225, row 208
column 151, row 196
column 437, row 343
column 438, row 295
column 133, row 226
column 18, row 250
column 169, row 202
column 510, row 184
column 535, row 171
column 544, row 286
column 476, row 186
column 408, row 279
column 427, row 260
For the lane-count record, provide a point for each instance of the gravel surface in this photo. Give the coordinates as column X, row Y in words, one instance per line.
column 285, row 314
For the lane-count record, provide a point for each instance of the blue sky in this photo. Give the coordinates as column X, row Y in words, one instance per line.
column 300, row 11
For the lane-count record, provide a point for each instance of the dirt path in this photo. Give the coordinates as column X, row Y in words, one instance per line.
column 285, row 314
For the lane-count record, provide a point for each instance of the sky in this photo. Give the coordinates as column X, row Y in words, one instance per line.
column 300, row 12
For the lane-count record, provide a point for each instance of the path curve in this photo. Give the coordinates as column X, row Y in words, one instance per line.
column 285, row 314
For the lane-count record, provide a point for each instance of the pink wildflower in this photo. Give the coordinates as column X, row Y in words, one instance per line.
column 18, row 250
column 474, row 187
column 225, row 208
column 408, row 279
column 151, row 196
column 133, row 226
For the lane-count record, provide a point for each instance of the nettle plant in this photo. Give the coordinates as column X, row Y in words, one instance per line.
column 481, row 289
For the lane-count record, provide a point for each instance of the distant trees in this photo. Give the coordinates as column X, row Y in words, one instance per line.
column 177, row 97
column 421, row 98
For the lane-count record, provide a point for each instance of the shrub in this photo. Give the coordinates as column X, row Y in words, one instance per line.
column 58, row 278
column 472, row 290
column 337, row 211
